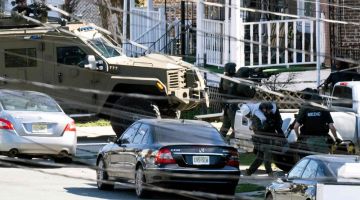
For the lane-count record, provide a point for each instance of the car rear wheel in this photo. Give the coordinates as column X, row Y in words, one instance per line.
column 140, row 183
column 102, row 178
column 127, row 110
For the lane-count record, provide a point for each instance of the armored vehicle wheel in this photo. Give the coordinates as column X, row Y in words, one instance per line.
column 126, row 110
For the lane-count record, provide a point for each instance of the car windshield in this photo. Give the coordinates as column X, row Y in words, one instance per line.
column 188, row 135
column 16, row 101
column 106, row 49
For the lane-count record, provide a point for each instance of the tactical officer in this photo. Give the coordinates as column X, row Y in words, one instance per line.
column 341, row 73
column 227, row 89
column 21, row 7
column 314, row 123
column 266, row 124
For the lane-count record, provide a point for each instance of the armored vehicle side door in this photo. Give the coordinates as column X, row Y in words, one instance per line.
column 22, row 59
column 74, row 79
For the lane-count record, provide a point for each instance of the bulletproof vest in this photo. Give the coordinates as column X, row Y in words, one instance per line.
column 226, row 87
column 315, row 123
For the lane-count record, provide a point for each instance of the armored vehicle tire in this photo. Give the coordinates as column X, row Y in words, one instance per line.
column 127, row 110
column 284, row 162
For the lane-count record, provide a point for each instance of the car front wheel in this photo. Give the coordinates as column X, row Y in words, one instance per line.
column 102, row 178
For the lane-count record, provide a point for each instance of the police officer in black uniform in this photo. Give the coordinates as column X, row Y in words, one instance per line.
column 314, row 123
column 21, row 7
column 228, row 91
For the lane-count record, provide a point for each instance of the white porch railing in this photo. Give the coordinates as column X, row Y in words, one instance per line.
column 282, row 42
column 214, row 42
column 146, row 27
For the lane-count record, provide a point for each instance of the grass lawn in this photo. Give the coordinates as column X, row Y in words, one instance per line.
column 98, row 122
column 248, row 187
column 246, row 158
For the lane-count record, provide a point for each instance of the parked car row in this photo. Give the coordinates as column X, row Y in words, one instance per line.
column 162, row 153
column 175, row 154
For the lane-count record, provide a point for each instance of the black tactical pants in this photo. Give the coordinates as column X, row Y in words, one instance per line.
column 228, row 121
column 263, row 155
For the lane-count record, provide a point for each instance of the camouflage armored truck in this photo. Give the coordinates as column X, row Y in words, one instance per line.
column 84, row 70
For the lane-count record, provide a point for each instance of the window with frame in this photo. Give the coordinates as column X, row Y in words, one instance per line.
column 129, row 134
column 297, row 171
column 310, row 170
column 70, row 55
column 25, row 57
column 139, row 137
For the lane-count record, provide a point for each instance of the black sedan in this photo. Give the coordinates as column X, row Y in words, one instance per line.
column 176, row 154
column 300, row 183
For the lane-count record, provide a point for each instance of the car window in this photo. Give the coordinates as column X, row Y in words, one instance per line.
column 143, row 130
column 343, row 97
column 321, row 172
column 298, row 169
column 25, row 101
column 129, row 134
column 183, row 133
column 70, row 55
column 310, row 170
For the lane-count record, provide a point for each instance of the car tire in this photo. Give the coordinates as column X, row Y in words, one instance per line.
column 121, row 121
column 140, row 183
column 269, row 197
column 102, row 177
column 63, row 157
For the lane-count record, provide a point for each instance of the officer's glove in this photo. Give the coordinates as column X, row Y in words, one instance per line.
column 338, row 141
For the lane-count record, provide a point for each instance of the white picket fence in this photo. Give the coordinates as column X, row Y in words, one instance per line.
column 281, row 42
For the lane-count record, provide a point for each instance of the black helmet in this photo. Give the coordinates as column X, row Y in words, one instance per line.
column 310, row 94
column 266, row 105
column 230, row 68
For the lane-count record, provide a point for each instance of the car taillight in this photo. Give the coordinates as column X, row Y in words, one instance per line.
column 71, row 127
column 233, row 159
column 5, row 124
column 343, row 83
column 164, row 157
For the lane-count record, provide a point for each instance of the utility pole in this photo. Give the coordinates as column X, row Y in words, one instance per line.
column 318, row 42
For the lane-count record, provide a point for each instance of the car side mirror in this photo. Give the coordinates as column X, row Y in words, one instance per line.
column 91, row 62
column 112, row 139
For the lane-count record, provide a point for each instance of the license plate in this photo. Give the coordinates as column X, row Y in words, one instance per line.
column 39, row 128
column 201, row 160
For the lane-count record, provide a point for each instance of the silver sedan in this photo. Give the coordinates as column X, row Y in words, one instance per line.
column 32, row 124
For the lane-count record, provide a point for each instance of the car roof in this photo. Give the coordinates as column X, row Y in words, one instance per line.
column 21, row 92
column 176, row 122
column 336, row 158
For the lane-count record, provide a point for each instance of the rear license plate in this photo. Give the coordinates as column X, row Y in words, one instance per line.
column 39, row 128
column 201, row 160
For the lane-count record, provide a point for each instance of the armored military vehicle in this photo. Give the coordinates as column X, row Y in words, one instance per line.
column 84, row 69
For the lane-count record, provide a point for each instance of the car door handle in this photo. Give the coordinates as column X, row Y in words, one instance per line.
column 60, row 77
